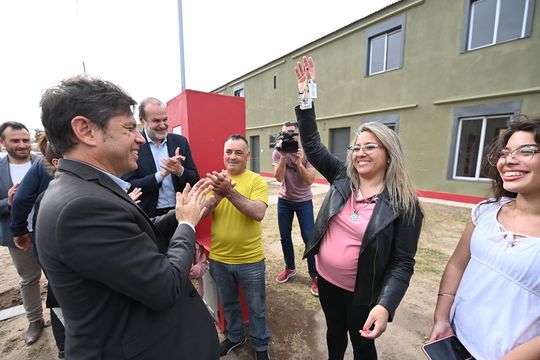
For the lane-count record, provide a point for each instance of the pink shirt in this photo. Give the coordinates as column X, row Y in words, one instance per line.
column 293, row 187
column 337, row 260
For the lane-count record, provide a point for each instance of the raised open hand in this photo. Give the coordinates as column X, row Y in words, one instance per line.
column 304, row 71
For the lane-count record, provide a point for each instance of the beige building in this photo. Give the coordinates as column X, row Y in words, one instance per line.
column 446, row 75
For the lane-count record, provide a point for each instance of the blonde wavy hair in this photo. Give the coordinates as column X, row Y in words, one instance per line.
column 397, row 179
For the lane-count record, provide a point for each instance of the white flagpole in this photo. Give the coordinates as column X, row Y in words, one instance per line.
column 181, row 38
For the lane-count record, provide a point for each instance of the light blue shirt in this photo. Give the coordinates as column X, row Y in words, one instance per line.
column 124, row 185
column 167, row 194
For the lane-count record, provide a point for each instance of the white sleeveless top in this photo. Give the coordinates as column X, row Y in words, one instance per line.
column 497, row 304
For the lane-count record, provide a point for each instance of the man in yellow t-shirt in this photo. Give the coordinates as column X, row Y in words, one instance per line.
column 236, row 252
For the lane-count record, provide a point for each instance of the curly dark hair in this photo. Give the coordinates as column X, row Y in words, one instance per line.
column 93, row 98
column 517, row 123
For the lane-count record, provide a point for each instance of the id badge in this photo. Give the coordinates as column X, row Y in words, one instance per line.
column 312, row 88
column 305, row 101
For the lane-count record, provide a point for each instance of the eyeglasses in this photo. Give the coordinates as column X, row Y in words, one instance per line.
column 521, row 153
column 368, row 148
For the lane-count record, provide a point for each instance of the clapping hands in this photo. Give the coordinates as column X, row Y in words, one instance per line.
column 172, row 165
column 191, row 203
column 221, row 182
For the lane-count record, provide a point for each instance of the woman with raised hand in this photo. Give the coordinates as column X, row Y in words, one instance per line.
column 489, row 296
column 366, row 233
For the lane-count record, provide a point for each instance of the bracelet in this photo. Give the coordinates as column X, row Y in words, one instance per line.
column 445, row 294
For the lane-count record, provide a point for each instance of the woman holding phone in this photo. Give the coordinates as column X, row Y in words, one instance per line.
column 489, row 295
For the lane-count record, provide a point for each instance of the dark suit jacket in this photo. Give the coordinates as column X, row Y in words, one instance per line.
column 6, row 237
column 123, row 287
column 144, row 176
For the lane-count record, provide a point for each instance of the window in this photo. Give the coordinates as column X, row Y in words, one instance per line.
column 339, row 142
column 494, row 21
column 474, row 128
column 384, row 46
column 384, row 52
column 239, row 90
column 255, row 157
column 275, row 82
column 390, row 120
column 474, row 136
column 272, row 140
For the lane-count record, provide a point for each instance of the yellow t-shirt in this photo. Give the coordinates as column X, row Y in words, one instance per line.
column 237, row 238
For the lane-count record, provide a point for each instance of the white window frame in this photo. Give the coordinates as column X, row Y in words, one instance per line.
column 393, row 25
column 239, row 88
column 480, row 150
column 524, row 26
column 481, row 146
column 488, row 110
column 385, row 56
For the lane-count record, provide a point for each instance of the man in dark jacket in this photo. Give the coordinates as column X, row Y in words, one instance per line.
column 165, row 164
column 122, row 279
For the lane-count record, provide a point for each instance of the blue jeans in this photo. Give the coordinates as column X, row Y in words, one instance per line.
column 304, row 213
column 250, row 278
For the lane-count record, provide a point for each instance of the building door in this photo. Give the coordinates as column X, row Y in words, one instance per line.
column 339, row 142
column 255, row 149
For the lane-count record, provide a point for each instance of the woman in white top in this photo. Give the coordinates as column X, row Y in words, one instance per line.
column 489, row 295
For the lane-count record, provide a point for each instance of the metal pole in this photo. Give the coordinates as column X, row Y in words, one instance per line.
column 78, row 26
column 181, row 38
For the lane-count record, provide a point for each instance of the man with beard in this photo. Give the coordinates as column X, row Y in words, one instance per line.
column 15, row 137
column 165, row 165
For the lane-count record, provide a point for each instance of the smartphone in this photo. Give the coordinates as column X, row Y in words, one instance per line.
column 448, row 348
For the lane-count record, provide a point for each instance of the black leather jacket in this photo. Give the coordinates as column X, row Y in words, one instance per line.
column 386, row 259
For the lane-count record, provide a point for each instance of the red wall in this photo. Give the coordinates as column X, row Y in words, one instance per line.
column 207, row 120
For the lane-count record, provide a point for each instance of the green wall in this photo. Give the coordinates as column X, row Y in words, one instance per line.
column 435, row 79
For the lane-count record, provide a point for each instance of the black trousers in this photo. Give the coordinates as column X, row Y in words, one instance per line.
column 162, row 211
column 342, row 317
column 58, row 331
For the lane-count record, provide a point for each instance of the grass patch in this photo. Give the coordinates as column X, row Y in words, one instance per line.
column 430, row 261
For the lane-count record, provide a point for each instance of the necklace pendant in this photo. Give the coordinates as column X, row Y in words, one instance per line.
column 354, row 216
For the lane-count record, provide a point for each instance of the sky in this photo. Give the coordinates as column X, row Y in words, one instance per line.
column 135, row 43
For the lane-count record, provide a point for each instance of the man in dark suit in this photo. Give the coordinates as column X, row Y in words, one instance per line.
column 165, row 164
column 122, row 279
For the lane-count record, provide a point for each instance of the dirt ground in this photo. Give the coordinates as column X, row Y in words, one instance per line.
column 294, row 315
